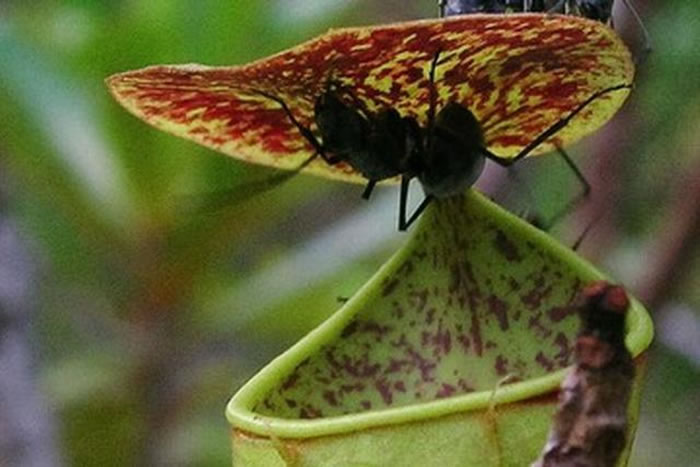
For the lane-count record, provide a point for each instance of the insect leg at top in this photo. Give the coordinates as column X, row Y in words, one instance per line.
column 601, row 10
column 598, row 10
column 463, row 7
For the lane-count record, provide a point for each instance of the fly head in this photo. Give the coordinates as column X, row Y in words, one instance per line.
column 454, row 155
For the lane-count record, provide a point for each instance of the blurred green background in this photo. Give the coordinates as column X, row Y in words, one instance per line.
column 138, row 314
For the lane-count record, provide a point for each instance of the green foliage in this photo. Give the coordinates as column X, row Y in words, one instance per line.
column 144, row 328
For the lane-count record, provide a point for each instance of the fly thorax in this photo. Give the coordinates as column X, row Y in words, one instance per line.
column 343, row 129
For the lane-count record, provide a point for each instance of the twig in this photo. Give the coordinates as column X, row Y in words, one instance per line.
column 589, row 428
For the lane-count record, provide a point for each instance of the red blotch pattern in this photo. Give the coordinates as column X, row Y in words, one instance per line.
column 519, row 74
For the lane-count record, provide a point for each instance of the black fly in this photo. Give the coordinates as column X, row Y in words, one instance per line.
column 447, row 156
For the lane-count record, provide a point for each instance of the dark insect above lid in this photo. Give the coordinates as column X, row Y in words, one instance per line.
column 447, row 155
